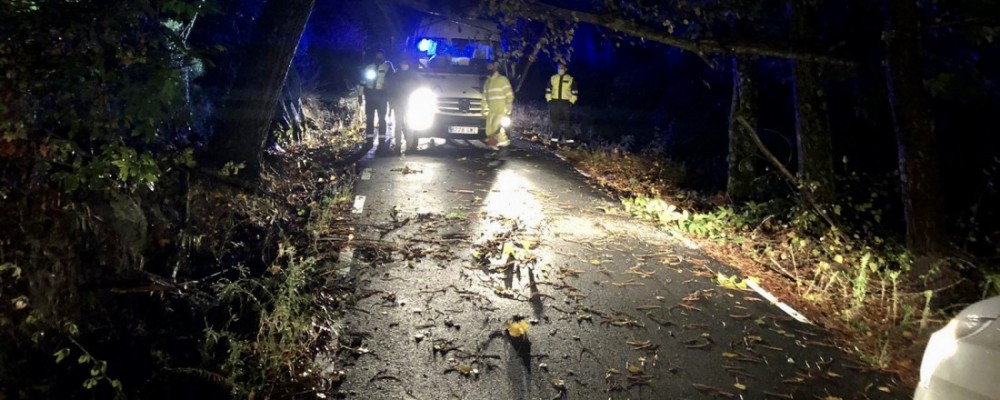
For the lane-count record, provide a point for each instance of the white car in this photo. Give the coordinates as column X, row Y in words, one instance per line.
column 962, row 360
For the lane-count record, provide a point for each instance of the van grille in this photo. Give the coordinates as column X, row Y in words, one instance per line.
column 460, row 105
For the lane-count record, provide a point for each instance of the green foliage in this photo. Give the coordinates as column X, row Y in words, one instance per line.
column 286, row 320
column 713, row 225
column 95, row 90
column 991, row 284
column 232, row 168
column 98, row 369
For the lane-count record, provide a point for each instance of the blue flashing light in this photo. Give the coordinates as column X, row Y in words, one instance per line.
column 424, row 45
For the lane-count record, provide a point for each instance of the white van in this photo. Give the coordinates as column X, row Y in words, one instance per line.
column 453, row 56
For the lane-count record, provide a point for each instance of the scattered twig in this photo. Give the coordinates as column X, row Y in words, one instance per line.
column 379, row 376
column 713, row 390
column 802, row 188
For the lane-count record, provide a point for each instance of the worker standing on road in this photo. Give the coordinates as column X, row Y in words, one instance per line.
column 376, row 98
column 561, row 95
column 498, row 104
column 402, row 84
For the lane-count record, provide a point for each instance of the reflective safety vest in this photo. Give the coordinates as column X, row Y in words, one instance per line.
column 498, row 96
column 561, row 87
column 381, row 71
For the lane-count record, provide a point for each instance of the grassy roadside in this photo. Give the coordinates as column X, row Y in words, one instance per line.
column 851, row 280
column 228, row 291
column 278, row 341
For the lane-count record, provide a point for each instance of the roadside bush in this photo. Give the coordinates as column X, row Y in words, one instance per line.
column 118, row 257
column 853, row 278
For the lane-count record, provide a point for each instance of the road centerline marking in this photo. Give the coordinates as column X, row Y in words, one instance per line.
column 359, row 205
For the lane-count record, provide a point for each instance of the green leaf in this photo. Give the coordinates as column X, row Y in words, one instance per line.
column 90, row 383
column 61, row 355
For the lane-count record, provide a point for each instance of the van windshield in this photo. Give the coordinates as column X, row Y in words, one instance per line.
column 456, row 56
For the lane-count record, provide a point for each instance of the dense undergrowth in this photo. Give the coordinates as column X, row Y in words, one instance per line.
column 202, row 288
column 852, row 278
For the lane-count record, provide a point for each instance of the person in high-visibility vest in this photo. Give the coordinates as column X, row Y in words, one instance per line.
column 498, row 104
column 376, row 97
column 561, row 95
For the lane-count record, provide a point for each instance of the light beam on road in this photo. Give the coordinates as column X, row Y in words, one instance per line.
column 510, row 197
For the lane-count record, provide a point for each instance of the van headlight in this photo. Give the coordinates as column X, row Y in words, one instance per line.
column 971, row 325
column 421, row 108
column 505, row 121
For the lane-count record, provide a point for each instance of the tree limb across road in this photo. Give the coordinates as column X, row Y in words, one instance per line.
column 702, row 47
column 697, row 46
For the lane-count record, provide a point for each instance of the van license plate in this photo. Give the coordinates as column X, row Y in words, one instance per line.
column 463, row 129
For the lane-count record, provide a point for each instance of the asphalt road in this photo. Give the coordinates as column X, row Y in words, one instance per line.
column 615, row 308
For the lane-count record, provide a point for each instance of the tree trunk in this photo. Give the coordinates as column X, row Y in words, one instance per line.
column 915, row 139
column 251, row 102
column 741, row 148
column 812, row 122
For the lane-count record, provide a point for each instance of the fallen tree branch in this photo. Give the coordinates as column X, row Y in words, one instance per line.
column 699, row 47
column 802, row 188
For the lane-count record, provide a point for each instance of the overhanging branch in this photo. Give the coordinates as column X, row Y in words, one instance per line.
column 700, row 47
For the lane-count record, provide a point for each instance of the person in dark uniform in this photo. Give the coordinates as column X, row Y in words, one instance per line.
column 401, row 86
column 376, row 97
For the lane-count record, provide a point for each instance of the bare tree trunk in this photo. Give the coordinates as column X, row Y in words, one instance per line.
column 250, row 105
column 812, row 122
column 741, row 148
column 915, row 139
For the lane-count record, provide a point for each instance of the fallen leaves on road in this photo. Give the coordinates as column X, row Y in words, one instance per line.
column 630, row 282
column 642, row 345
column 732, row 282
column 621, row 321
column 464, row 369
column 713, row 390
column 634, row 369
column 516, row 329
column 570, row 272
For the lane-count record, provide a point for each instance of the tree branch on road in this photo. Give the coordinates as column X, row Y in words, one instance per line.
column 697, row 46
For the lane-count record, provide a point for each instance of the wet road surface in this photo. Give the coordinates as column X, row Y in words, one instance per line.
column 449, row 245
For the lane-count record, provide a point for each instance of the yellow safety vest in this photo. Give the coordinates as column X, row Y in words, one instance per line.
column 497, row 94
column 561, row 87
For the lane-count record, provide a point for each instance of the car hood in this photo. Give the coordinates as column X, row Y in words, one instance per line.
column 455, row 85
column 989, row 308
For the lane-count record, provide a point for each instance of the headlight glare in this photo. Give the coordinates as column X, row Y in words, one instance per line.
column 420, row 109
column 505, row 121
column 370, row 74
